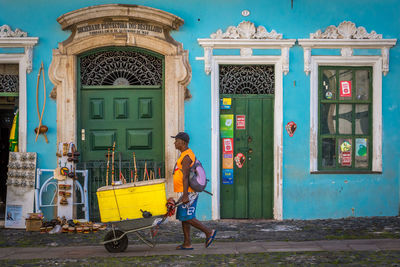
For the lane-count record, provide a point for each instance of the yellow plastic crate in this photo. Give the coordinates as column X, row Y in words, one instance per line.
column 124, row 202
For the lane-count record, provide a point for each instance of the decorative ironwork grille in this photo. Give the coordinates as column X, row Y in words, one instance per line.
column 120, row 68
column 8, row 83
column 246, row 79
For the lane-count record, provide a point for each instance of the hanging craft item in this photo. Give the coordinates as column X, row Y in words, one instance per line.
column 239, row 160
column 14, row 133
column 41, row 129
column 291, row 128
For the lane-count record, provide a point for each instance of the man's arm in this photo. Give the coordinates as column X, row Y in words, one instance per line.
column 186, row 170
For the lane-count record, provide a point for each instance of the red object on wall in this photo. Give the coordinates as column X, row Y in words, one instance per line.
column 291, row 128
column 345, row 88
column 240, row 122
column 227, row 145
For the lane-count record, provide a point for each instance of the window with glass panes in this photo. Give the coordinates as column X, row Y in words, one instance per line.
column 345, row 118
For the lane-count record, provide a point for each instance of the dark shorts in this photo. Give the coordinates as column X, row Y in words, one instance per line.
column 187, row 211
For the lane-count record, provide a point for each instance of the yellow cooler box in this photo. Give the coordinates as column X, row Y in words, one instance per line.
column 125, row 202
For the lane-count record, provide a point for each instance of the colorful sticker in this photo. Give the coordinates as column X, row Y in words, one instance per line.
column 227, row 161
column 225, row 103
column 328, row 95
column 240, row 122
column 226, row 125
column 345, row 146
column 239, row 160
column 345, row 88
column 291, row 128
column 227, row 176
column 227, row 145
column 361, row 147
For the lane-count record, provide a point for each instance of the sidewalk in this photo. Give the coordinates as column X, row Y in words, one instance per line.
column 82, row 252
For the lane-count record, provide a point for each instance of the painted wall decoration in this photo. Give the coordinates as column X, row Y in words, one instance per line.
column 291, row 128
column 239, row 160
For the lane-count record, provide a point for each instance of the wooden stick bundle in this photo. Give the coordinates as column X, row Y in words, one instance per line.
column 112, row 172
column 134, row 162
column 108, row 165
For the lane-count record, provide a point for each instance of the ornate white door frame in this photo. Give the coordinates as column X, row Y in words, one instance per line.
column 246, row 37
column 121, row 25
column 19, row 39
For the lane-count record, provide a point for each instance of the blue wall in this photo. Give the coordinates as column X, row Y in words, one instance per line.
column 305, row 195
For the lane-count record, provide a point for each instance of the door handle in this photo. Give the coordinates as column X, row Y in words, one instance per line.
column 250, row 151
column 83, row 137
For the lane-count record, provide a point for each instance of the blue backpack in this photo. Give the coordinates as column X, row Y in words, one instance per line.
column 197, row 177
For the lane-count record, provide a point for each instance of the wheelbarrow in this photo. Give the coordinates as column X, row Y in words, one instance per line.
column 133, row 208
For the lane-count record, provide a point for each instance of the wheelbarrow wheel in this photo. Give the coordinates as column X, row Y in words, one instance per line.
column 116, row 246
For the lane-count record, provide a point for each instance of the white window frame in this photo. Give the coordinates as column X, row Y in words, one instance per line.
column 345, row 37
column 24, row 61
column 281, row 66
column 376, row 63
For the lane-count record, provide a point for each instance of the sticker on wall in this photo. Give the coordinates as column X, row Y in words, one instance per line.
column 239, row 160
column 227, row 176
column 346, row 158
column 291, row 128
column 345, row 146
column 227, row 161
column 225, row 103
column 345, row 88
column 226, row 125
column 361, row 147
column 328, row 95
column 240, row 122
column 227, row 145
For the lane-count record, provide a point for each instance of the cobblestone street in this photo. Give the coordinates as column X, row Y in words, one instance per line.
column 229, row 232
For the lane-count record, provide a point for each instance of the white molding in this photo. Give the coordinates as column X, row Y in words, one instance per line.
column 277, row 61
column 24, row 61
column 246, row 30
column 21, row 42
column 376, row 63
column 245, row 45
column 345, row 30
column 5, row 31
column 346, row 37
column 19, row 59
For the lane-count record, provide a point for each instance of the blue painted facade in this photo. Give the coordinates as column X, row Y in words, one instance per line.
column 305, row 195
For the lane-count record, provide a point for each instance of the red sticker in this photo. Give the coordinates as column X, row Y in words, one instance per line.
column 291, row 128
column 240, row 122
column 346, row 158
column 345, row 88
column 227, row 145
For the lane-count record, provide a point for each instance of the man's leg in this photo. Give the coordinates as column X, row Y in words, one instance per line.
column 187, row 243
column 197, row 224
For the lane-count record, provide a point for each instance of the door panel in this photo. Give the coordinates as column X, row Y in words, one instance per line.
column 251, row 194
column 130, row 117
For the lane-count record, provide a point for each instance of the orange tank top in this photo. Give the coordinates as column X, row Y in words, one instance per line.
column 178, row 174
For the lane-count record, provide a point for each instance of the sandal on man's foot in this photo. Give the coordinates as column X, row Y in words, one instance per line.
column 181, row 247
column 211, row 238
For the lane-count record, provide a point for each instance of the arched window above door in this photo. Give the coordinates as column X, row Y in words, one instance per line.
column 120, row 68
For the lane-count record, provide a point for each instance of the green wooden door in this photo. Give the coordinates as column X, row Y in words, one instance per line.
column 121, row 100
column 130, row 117
column 251, row 194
